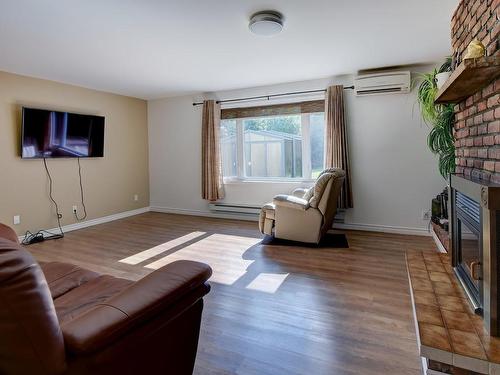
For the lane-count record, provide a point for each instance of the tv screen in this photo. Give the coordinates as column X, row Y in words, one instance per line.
column 52, row 134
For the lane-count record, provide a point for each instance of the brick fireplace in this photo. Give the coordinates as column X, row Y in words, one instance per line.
column 477, row 118
column 475, row 187
column 456, row 295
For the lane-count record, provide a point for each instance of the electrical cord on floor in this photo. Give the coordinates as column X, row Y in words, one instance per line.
column 31, row 238
column 81, row 195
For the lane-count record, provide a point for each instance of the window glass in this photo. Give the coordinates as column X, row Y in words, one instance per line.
column 228, row 137
column 317, row 134
column 273, row 147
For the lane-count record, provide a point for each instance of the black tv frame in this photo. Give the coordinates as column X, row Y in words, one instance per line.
column 24, row 108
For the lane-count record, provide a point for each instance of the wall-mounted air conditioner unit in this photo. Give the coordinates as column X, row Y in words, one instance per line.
column 382, row 83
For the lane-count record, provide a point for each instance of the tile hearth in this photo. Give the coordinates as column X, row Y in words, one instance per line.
column 448, row 331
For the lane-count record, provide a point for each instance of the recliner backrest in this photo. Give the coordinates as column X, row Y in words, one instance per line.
column 329, row 201
column 324, row 195
column 315, row 194
column 31, row 341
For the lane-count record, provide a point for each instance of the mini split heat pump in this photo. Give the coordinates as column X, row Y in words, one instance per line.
column 382, row 83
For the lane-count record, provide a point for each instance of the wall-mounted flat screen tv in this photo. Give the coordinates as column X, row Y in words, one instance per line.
column 52, row 134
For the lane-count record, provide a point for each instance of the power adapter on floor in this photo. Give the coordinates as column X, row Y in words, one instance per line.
column 37, row 238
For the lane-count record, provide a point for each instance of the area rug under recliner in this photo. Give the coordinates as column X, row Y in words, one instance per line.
column 329, row 240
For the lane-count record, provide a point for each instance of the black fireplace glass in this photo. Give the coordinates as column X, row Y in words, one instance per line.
column 467, row 247
column 470, row 252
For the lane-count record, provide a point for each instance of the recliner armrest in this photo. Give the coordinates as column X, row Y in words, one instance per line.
column 299, row 192
column 291, row 202
column 143, row 300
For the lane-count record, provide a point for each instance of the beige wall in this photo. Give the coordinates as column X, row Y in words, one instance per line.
column 109, row 182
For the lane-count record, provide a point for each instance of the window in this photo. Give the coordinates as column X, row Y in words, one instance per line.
column 272, row 143
column 228, row 148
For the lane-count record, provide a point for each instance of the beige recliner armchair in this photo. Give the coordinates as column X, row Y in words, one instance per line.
column 307, row 214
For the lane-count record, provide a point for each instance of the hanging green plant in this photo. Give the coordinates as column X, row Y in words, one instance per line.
column 440, row 117
column 426, row 95
column 441, row 141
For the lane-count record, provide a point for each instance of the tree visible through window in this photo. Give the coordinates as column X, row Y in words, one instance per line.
column 273, row 147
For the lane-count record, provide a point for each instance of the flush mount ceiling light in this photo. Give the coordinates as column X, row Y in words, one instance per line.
column 266, row 23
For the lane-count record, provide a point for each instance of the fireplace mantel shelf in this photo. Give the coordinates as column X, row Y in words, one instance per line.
column 468, row 78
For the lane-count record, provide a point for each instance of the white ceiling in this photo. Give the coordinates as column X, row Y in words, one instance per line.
column 156, row 48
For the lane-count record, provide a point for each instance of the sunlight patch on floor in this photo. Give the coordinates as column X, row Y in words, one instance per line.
column 267, row 282
column 157, row 250
column 228, row 265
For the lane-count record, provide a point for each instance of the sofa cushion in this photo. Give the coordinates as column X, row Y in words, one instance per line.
column 94, row 292
column 63, row 277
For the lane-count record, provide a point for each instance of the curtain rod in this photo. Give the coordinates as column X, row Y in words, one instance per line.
column 268, row 97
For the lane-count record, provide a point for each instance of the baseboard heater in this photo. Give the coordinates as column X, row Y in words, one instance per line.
column 235, row 208
column 254, row 210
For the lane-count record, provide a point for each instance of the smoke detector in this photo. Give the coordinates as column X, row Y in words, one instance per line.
column 266, row 23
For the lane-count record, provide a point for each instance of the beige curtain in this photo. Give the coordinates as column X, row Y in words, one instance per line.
column 211, row 174
column 336, row 146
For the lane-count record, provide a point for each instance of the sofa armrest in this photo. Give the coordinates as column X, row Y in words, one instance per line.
column 291, row 202
column 147, row 298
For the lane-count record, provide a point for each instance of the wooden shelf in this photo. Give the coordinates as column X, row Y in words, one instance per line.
column 468, row 78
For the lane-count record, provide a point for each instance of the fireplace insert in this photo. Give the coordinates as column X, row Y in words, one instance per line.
column 475, row 245
column 467, row 248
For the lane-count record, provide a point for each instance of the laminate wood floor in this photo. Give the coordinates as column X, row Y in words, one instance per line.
column 272, row 309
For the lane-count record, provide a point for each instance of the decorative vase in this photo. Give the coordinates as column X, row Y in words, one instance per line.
column 475, row 49
column 441, row 78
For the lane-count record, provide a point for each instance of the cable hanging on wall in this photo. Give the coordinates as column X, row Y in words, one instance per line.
column 81, row 195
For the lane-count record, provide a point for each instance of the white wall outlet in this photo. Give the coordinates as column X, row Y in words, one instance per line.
column 75, row 208
column 17, row 219
column 136, row 197
column 426, row 214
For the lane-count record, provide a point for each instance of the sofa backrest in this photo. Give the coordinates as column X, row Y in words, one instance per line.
column 31, row 340
column 8, row 233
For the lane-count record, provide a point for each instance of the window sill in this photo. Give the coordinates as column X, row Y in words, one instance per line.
column 235, row 181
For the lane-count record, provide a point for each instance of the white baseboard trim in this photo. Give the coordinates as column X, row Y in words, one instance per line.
column 348, row 226
column 383, row 228
column 96, row 221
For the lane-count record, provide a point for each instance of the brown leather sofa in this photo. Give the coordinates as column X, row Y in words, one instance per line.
column 57, row 318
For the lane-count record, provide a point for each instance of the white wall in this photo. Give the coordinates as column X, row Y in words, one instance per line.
column 394, row 175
